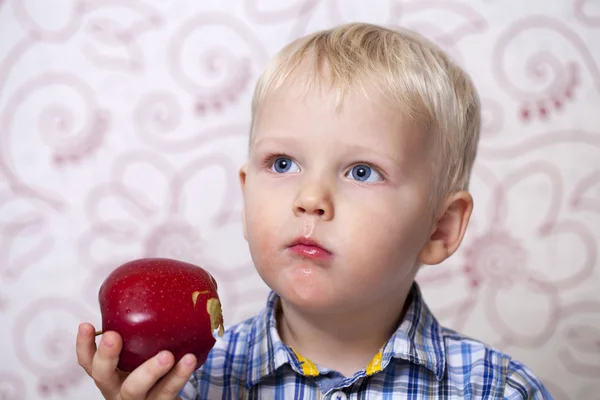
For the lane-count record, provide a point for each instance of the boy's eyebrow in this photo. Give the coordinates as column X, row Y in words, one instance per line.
column 353, row 147
column 276, row 139
column 379, row 152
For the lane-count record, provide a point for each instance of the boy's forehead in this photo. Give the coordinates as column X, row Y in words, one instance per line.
column 291, row 115
column 310, row 82
column 309, row 91
column 304, row 93
column 308, row 99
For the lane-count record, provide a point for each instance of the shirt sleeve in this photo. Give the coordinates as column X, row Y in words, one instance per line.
column 522, row 384
column 189, row 391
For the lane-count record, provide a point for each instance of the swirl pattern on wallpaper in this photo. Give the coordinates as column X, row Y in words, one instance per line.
column 123, row 125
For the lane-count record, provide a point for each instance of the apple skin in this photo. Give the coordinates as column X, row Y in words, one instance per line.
column 160, row 304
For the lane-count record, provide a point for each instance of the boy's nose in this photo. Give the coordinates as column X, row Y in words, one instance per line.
column 314, row 201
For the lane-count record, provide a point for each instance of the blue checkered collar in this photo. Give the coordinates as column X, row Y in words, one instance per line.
column 418, row 340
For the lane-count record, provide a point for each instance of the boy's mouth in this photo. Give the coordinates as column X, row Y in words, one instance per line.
column 310, row 249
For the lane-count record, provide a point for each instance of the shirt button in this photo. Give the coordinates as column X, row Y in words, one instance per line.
column 339, row 396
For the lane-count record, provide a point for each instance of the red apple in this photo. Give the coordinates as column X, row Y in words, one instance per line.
column 160, row 304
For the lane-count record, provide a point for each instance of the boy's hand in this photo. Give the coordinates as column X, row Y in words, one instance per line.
column 156, row 379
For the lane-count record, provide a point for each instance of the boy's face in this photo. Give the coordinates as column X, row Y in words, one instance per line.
column 356, row 181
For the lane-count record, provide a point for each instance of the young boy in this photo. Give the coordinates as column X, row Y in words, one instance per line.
column 361, row 148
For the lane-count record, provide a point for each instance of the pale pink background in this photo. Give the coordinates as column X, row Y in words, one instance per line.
column 123, row 123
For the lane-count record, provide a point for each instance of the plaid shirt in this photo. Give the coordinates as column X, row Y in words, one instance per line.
column 421, row 360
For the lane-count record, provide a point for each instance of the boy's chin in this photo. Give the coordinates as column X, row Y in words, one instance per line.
column 311, row 299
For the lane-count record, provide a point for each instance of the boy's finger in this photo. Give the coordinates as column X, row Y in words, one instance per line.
column 104, row 364
column 85, row 346
column 139, row 383
column 171, row 384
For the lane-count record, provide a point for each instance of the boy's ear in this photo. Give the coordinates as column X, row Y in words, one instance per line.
column 449, row 229
column 242, row 176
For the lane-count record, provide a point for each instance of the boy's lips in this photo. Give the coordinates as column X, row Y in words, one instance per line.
column 310, row 249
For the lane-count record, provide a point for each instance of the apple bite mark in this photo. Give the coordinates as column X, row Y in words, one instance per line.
column 196, row 294
column 213, row 307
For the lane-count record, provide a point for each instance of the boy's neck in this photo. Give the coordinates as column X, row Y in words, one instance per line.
column 345, row 343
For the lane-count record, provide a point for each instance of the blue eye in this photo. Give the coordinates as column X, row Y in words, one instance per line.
column 364, row 173
column 282, row 165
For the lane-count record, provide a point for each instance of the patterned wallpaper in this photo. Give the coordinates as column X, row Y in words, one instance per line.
column 123, row 124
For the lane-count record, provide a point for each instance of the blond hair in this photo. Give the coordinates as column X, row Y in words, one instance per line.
column 412, row 73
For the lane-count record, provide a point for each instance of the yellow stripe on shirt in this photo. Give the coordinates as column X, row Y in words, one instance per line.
column 375, row 365
column 308, row 367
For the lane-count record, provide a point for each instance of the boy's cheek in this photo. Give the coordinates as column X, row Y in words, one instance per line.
column 263, row 245
column 384, row 228
column 259, row 226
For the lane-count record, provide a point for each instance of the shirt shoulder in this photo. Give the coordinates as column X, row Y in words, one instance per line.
column 521, row 383
column 485, row 372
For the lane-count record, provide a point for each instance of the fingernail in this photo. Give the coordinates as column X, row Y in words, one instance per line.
column 188, row 360
column 106, row 342
column 82, row 329
column 163, row 358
